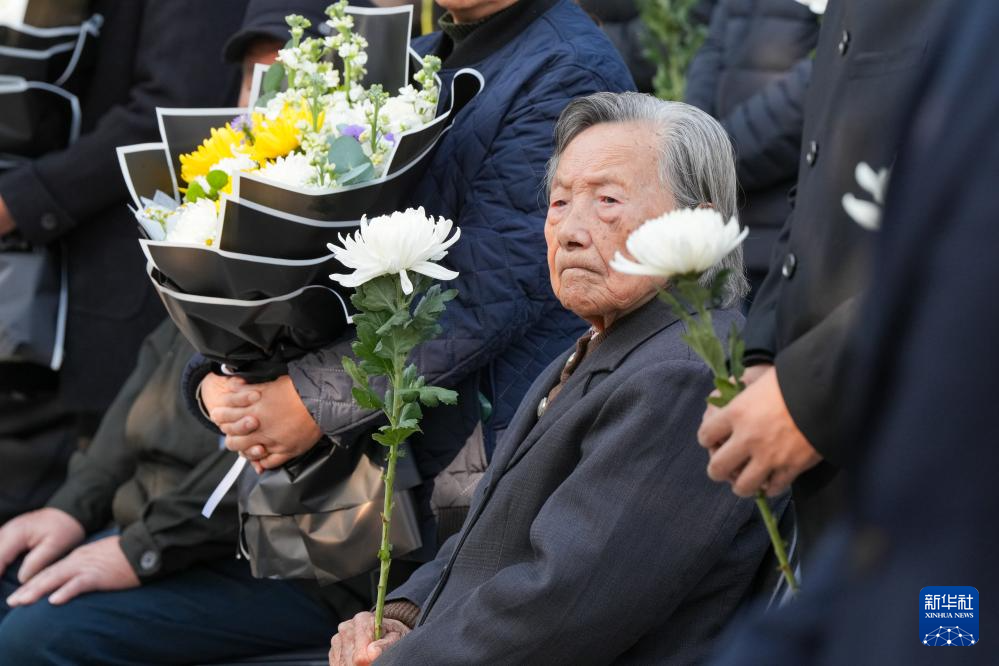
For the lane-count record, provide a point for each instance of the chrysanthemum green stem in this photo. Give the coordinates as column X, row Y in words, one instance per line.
column 703, row 340
column 385, row 550
column 777, row 540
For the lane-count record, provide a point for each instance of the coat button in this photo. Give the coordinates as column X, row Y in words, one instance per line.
column 813, row 153
column 149, row 560
column 49, row 222
column 542, row 406
column 790, row 263
column 844, row 42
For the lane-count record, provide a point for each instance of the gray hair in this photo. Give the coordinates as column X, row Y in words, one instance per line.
column 696, row 159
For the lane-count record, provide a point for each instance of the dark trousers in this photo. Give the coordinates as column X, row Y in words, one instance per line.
column 211, row 612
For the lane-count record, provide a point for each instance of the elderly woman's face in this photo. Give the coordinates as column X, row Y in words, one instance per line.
column 607, row 184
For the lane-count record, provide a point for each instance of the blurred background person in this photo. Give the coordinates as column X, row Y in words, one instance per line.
column 74, row 200
column 788, row 426
column 148, row 472
column 921, row 404
column 751, row 74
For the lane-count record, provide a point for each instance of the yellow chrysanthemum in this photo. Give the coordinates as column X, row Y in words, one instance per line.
column 222, row 144
column 278, row 137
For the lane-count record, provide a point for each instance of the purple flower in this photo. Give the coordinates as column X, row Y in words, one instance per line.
column 242, row 123
column 354, row 131
column 390, row 137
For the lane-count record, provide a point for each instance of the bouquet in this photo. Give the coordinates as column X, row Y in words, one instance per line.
column 237, row 205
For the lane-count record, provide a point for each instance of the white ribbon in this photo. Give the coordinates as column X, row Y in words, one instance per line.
column 224, row 487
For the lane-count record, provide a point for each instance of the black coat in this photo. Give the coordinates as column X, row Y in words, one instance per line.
column 924, row 376
column 870, row 58
column 150, row 468
column 752, row 74
column 149, row 54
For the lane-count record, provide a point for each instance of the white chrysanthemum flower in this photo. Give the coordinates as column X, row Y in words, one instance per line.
column 396, row 243
column 681, row 242
column 294, row 170
column 232, row 165
column 196, row 223
column 817, row 6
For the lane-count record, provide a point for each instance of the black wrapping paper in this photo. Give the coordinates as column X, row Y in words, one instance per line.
column 146, row 168
column 183, row 130
column 209, row 272
column 241, row 333
column 249, row 228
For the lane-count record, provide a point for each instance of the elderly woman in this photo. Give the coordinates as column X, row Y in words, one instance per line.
column 595, row 537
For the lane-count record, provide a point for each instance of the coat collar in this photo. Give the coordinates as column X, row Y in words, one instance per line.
column 623, row 337
column 492, row 36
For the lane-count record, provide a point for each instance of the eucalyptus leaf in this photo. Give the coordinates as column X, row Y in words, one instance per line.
column 273, row 79
column 346, row 154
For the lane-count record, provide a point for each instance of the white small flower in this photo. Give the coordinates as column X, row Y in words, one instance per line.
column 681, row 242
column 294, row 170
column 817, row 6
column 232, row 165
column 865, row 213
column 195, row 223
column 396, row 243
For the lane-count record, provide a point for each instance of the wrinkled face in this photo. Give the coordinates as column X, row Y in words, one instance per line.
column 606, row 185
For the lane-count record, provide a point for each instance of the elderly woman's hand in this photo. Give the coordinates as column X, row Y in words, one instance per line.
column 355, row 644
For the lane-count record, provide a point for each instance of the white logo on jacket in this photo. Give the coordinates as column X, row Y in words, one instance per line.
column 865, row 213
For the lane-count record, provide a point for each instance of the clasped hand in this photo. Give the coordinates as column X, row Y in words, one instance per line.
column 265, row 423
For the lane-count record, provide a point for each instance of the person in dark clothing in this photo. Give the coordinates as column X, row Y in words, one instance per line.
column 752, row 74
column 75, row 201
column 922, row 413
column 505, row 326
column 119, row 595
column 556, row 563
column 622, row 23
column 870, row 57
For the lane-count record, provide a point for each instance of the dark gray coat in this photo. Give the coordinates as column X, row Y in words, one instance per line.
column 595, row 536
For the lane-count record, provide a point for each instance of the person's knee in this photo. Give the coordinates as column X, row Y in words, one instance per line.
column 41, row 634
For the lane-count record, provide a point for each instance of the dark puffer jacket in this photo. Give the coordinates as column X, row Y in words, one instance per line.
column 751, row 74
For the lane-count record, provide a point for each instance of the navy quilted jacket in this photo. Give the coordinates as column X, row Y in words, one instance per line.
column 506, row 325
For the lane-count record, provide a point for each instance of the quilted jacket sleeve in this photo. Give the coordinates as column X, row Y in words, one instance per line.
column 503, row 282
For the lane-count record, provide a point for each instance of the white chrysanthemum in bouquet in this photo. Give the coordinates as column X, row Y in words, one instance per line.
column 196, row 223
